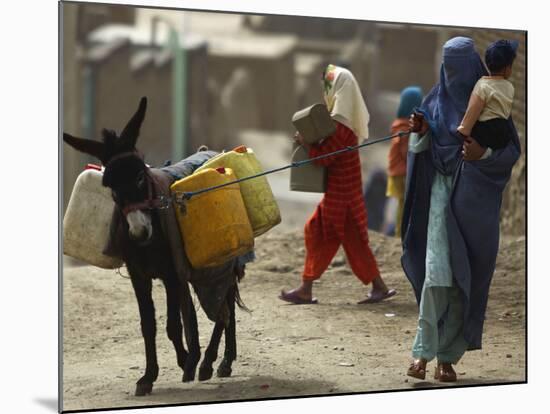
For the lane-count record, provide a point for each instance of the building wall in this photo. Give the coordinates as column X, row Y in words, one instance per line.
column 73, row 161
column 272, row 82
column 155, row 82
column 383, row 58
column 308, row 84
column 307, row 27
column 78, row 21
column 91, row 16
column 118, row 89
column 406, row 55
column 197, row 99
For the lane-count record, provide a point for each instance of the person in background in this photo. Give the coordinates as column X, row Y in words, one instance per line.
column 375, row 199
column 411, row 97
column 341, row 217
column 451, row 217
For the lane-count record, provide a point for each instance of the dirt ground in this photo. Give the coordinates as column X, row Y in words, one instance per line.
column 334, row 347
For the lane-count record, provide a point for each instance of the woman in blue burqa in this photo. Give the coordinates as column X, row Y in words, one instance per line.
column 451, row 217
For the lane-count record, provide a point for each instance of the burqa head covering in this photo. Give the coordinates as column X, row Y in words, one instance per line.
column 411, row 98
column 344, row 100
column 446, row 103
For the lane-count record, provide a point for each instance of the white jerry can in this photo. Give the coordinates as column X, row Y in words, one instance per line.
column 87, row 221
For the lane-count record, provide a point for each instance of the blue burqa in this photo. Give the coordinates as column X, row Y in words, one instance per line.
column 474, row 207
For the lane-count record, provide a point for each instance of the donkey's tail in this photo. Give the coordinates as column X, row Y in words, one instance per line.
column 239, row 274
column 239, row 301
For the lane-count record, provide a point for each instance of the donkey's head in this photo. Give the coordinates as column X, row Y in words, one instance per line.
column 125, row 172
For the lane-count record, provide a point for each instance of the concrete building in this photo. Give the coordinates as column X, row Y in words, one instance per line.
column 245, row 73
column 128, row 63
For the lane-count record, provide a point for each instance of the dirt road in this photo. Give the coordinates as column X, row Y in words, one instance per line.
column 283, row 350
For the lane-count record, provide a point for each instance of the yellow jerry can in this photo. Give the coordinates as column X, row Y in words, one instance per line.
column 214, row 225
column 261, row 207
column 87, row 220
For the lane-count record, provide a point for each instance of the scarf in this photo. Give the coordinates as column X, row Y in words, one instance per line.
column 344, row 100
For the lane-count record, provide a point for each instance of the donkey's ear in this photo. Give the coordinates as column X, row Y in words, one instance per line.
column 88, row 146
column 130, row 134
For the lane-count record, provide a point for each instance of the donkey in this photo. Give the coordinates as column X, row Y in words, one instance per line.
column 145, row 235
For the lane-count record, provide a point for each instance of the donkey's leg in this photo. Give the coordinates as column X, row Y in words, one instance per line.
column 211, row 353
column 142, row 288
column 230, row 354
column 191, row 329
column 173, row 323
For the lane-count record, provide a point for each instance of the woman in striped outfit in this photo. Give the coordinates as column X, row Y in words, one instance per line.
column 341, row 217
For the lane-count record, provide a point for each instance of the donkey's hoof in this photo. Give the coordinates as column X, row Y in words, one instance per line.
column 143, row 389
column 188, row 376
column 224, row 371
column 205, row 373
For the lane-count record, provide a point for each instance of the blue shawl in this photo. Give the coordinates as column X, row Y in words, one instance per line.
column 474, row 207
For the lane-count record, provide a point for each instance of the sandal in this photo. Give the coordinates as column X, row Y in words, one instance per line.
column 378, row 298
column 418, row 369
column 444, row 372
column 293, row 297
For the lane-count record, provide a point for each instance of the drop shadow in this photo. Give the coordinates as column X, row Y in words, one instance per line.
column 425, row 384
column 491, row 381
column 463, row 382
column 51, row 404
column 393, row 305
column 237, row 388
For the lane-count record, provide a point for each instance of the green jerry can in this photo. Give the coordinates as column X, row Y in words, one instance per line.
column 261, row 206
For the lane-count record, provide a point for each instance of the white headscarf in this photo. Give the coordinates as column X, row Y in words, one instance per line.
column 344, row 100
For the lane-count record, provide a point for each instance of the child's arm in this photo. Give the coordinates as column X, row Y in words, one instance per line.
column 475, row 106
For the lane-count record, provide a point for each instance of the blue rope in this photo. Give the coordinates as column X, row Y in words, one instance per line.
column 296, row 164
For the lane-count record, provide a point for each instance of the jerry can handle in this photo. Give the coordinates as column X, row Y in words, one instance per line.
column 180, row 200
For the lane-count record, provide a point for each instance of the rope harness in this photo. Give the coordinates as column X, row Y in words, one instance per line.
column 151, row 202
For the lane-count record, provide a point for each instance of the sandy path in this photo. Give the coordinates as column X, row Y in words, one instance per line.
column 333, row 347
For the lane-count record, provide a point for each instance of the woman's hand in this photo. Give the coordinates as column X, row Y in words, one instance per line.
column 471, row 150
column 417, row 123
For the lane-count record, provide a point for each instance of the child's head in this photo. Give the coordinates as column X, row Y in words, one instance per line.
column 500, row 56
